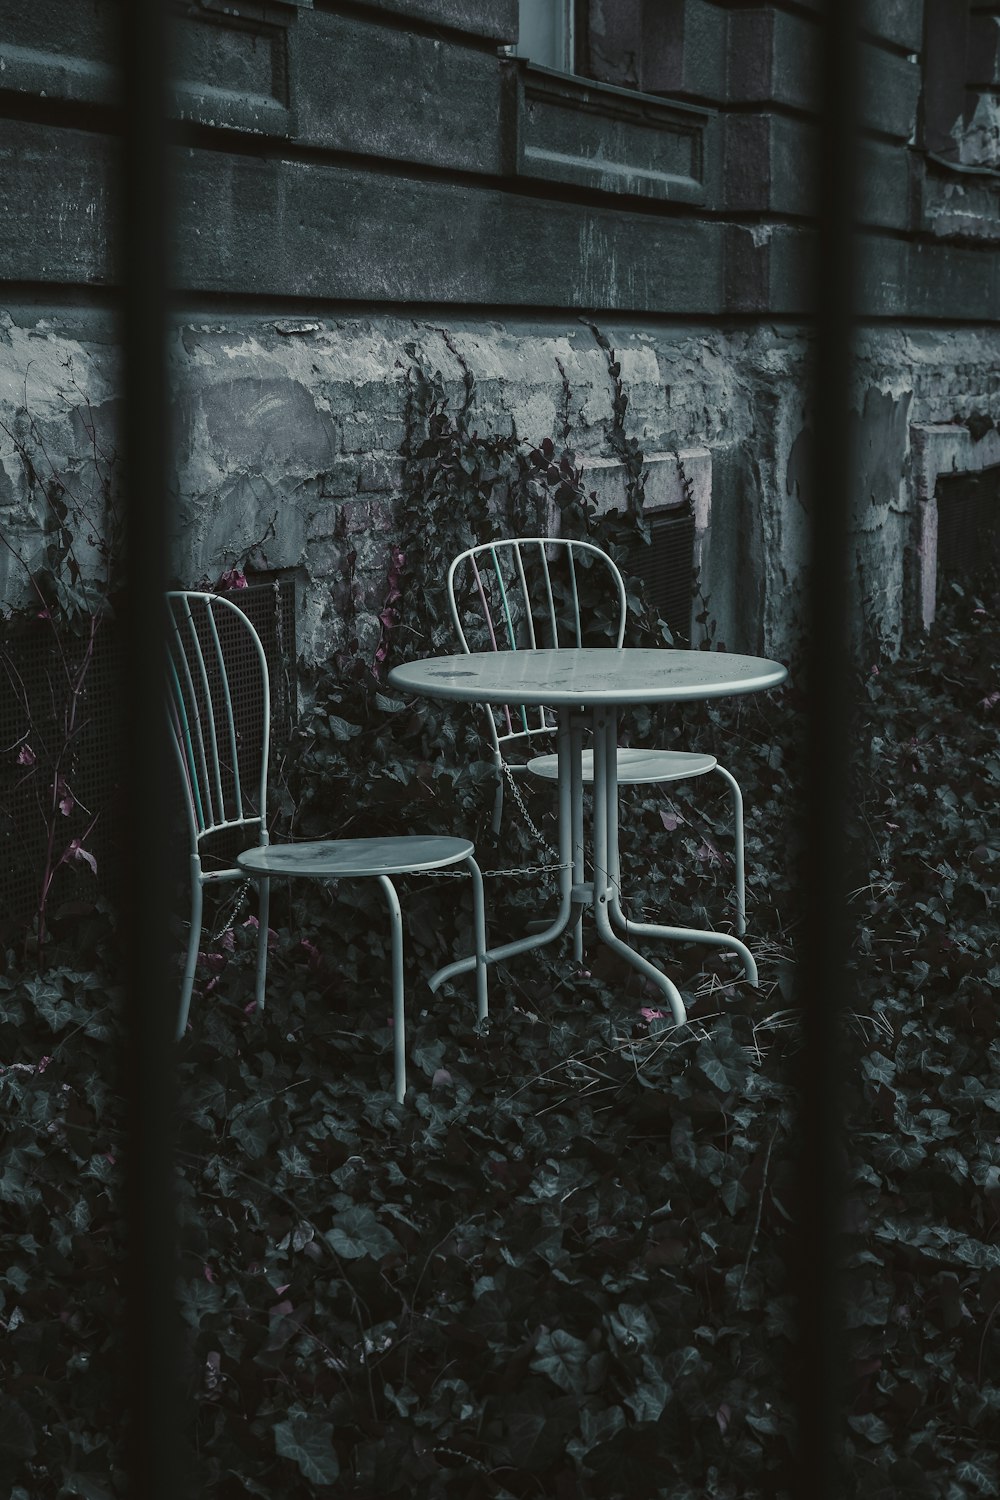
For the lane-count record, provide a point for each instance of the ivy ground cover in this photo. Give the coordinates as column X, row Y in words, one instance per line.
column 561, row 1267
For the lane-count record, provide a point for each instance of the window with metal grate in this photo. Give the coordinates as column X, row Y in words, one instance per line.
column 968, row 531
column 666, row 567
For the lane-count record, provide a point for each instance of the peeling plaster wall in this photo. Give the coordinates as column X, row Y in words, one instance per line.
column 60, row 398
column 287, row 437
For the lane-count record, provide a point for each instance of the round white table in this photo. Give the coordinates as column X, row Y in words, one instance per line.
column 587, row 687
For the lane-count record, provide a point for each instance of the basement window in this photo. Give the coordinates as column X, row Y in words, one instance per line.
column 666, row 567
column 968, row 534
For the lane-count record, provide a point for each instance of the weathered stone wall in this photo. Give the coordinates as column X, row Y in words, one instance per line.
column 353, row 179
column 288, row 435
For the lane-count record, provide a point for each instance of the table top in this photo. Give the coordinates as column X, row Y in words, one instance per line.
column 587, row 676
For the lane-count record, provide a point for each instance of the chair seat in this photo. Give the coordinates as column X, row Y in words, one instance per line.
column 634, row 766
column 407, row 854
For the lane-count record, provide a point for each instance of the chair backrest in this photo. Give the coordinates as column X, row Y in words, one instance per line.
column 523, row 594
column 218, row 711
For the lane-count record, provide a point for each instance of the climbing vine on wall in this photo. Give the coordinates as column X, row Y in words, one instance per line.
column 56, row 772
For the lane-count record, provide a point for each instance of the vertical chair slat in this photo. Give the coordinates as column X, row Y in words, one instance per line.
column 575, row 592
column 510, row 623
column 487, row 615
column 548, row 594
column 503, row 599
column 215, row 771
column 533, row 645
column 230, row 716
column 184, row 749
column 196, row 718
column 622, row 607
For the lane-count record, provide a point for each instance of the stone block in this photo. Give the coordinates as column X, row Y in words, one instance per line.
column 368, row 88
column 774, row 56
column 282, row 229
column 380, row 472
column 770, row 166
column 663, row 487
column 494, row 19
column 684, row 50
column 339, row 479
column 232, row 68
column 58, row 200
column 895, row 21
column 889, row 91
column 61, row 50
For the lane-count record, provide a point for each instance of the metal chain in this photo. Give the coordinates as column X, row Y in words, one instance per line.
column 532, row 826
column 552, row 867
column 234, row 911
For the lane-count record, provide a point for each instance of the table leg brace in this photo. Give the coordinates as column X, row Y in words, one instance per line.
column 605, row 843
column 657, row 929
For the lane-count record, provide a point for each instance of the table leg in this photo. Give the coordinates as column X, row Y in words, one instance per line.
column 566, row 862
column 605, row 856
column 657, row 929
column 576, row 809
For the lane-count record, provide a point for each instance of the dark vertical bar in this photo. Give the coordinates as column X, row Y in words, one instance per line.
column 144, row 230
column 822, row 1386
column 822, row 960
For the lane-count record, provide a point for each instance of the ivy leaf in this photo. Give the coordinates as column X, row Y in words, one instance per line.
column 357, row 1232
column 308, row 1442
column 900, row 1155
column 649, row 1396
column 871, row 1427
column 86, row 1487
column 976, row 1472
column 562, row 1358
column 197, row 1300
column 253, row 1129
column 341, row 729
column 51, row 1004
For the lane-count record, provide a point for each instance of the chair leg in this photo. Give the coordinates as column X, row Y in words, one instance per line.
column 498, row 804
column 263, row 912
column 398, row 1019
column 479, row 919
column 191, row 959
column 738, row 850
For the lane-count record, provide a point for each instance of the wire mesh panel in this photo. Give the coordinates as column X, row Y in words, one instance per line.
column 666, row 567
column 58, row 769
column 968, row 538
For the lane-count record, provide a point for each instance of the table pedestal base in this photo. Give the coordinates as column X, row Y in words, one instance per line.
column 603, row 892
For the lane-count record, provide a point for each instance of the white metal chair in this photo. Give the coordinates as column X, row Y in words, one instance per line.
column 218, row 707
column 523, row 593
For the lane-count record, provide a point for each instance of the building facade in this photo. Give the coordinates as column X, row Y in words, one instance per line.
column 509, row 191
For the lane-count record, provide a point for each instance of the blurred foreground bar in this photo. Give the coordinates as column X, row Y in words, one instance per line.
column 822, row 960
column 143, row 234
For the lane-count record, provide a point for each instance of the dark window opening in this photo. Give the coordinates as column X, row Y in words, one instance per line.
column 961, row 103
column 968, row 540
column 666, row 567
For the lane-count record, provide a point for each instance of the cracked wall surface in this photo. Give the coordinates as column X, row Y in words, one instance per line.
column 287, row 441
